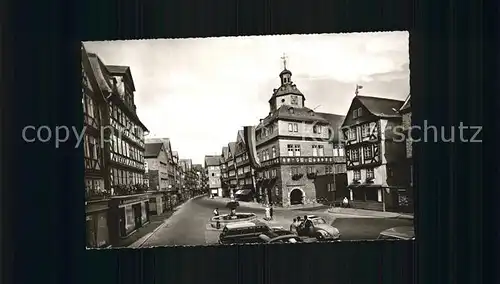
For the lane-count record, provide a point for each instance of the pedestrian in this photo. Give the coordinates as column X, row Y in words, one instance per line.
column 271, row 211
column 216, row 212
column 268, row 213
column 345, row 202
column 308, row 225
column 293, row 226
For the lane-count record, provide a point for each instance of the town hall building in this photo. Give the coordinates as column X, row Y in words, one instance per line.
column 293, row 147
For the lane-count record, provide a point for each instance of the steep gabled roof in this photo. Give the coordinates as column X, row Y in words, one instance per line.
column 232, row 148
column 406, row 105
column 152, row 149
column 100, row 72
column 381, row 107
column 212, row 161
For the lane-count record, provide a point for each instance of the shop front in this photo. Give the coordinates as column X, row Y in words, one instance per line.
column 156, row 203
column 96, row 224
column 127, row 214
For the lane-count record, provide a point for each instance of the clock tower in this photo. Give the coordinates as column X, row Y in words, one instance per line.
column 287, row 94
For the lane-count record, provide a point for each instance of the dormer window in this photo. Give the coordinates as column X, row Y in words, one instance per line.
column 291, row 110
column 311, row 113
column 357, row 113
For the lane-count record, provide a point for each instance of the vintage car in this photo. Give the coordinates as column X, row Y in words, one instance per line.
column 319, row 229
column 243, row 232
column 398, row 233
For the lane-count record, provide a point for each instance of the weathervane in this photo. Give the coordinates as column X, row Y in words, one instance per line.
column 284, row 57
column 358, row 87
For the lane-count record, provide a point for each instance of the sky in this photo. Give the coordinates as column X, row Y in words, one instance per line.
column 200, row 91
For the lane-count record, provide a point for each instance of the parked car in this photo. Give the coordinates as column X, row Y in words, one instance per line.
column 283, row 239
column 280, row 231
column 243, row 232
column 398, row 233
column 320, row 229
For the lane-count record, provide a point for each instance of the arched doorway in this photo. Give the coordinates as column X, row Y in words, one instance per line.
column 296, row 196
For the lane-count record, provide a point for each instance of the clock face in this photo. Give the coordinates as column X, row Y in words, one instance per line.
column 294, row 100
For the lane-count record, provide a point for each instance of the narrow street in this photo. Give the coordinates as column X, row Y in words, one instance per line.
column 190, row 224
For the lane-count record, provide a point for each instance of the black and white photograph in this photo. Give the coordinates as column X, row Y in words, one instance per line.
column 250, row 139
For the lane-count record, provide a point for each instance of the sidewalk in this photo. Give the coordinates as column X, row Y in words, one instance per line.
column 367, row 213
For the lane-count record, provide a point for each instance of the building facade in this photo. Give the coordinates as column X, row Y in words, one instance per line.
column 331, row 184
column 225, row 172
column 171, row 196
column 375, row 158
column 156, row 172
column 96, row 193
column 406, row 200
column 123, row 154
column 244, row 182
column 292, row 145
column 212, row 166
column 231, row 169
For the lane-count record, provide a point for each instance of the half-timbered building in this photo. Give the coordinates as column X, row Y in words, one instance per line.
column 374, row 155
column 406, row 200
column 123, row 151
column 212, row 168
column 224, row 174
column 96, row 193
column 156, row 172
column 245, row 185
column 231, row 167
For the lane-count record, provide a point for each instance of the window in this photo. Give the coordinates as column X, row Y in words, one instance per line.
column 291, row 110
column 370, row 174
column 338, row 151
column 321, row 150
column 315, row 150
column 309, row 170
column 357, row 175
column 295, row 127
column 290, row 127
column 351, row 134
column 296, row 150
column 355, row 155
column 328, row 169
column 213, row 174
column 317, row 129
column 273, row 153
column 294, row 100
column 368, row 152
column 365, row 130
column 290, row 149
column 341, row 151
column 357, row 113
column 273, row 173
column 295, row 171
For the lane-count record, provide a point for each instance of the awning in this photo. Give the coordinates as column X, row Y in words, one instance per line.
column 243, row 192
